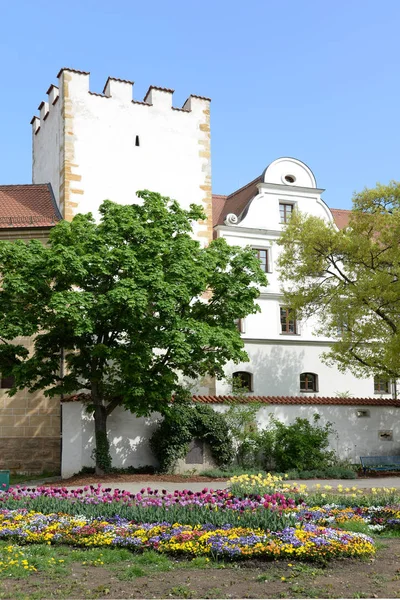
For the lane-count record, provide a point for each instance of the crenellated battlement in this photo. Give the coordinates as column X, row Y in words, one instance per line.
column 115, row 89
column 96, row 144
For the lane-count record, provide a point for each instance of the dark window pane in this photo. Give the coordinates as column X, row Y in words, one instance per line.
column 288, row 322
column 381, row 386
column 308, row 382
column 243, row 380
column 239, row 325
column 262, row 256
column 7, row 382
column 285, row 211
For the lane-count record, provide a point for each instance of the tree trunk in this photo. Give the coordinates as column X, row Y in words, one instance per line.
column 102, row 448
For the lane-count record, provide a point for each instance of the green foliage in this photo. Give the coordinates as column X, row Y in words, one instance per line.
column 351, row 280
column 336, row 471
column 16, row 478
column 301, row 445
column 119, row 304
column 242, row 423
column 181, row 425
column 230, row 471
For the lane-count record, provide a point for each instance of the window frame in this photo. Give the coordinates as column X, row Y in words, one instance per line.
column 288, row 320
column 286, row 217
column 240, row 325
column 267, row 250
column 315, row 387
column 378, row 384
column 342, row 327
column 237, row 374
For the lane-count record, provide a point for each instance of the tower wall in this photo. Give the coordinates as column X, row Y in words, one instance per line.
column 93, row 146
column 47, row 143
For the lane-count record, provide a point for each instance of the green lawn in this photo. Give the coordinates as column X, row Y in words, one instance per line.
column 34, row 572
column 18, row 478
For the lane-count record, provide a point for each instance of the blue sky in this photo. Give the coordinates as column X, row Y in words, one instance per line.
column 315, row 79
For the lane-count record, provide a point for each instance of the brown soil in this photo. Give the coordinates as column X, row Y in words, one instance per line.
column 349, row 578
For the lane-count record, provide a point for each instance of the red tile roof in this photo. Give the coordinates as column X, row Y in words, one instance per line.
column 30, row 205
column 234, row 203
column 297, row 400
column 300, row 400
column 341, row 217
column 218, row 203
column 237, row 202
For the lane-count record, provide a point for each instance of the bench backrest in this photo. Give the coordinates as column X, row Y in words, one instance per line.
column 380, row 460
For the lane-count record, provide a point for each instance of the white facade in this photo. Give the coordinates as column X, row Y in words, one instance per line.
column 277, row 359
column 355, row 435
column 92, row 147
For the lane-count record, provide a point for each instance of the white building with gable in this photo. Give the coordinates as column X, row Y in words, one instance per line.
column 90, row 146
column 284, row 354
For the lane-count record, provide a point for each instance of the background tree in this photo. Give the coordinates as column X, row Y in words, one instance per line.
column 350, row 279
column 122, row 302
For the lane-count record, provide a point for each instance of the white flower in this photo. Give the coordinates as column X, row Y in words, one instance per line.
column 376, row 527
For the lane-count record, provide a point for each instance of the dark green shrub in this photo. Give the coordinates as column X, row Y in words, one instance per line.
column 334, row 472
column 301, row 445
column 186, row 422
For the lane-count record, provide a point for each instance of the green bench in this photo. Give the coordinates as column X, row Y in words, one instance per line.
column 380, row 463
column 4, row 480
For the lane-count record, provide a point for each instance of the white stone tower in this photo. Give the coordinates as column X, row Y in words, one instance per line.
column 93, row 147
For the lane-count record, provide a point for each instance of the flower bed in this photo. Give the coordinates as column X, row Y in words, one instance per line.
column 273, row 511
column 257, row 485
column 377, row 518
column 259, row 516
column 270, row 511
column 310, row 542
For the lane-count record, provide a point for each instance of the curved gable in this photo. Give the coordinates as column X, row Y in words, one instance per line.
column 289, row 171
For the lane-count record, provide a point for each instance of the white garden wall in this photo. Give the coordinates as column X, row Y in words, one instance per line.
column 356, row 436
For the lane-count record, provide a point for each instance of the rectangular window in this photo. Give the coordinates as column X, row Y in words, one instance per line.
column 242, row 381
column 342, row 327
column 288, row 321
column 381, row 386
column 240, row 324
column 7, row 382
column 285, row 211
column 308, row 382
column 263, row 257
column 363, row 413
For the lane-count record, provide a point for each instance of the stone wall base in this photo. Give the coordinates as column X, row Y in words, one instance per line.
column 30, row 455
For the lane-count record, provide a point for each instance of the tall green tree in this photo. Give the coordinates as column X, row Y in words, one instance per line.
column 350, row 280
column 119, row 308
